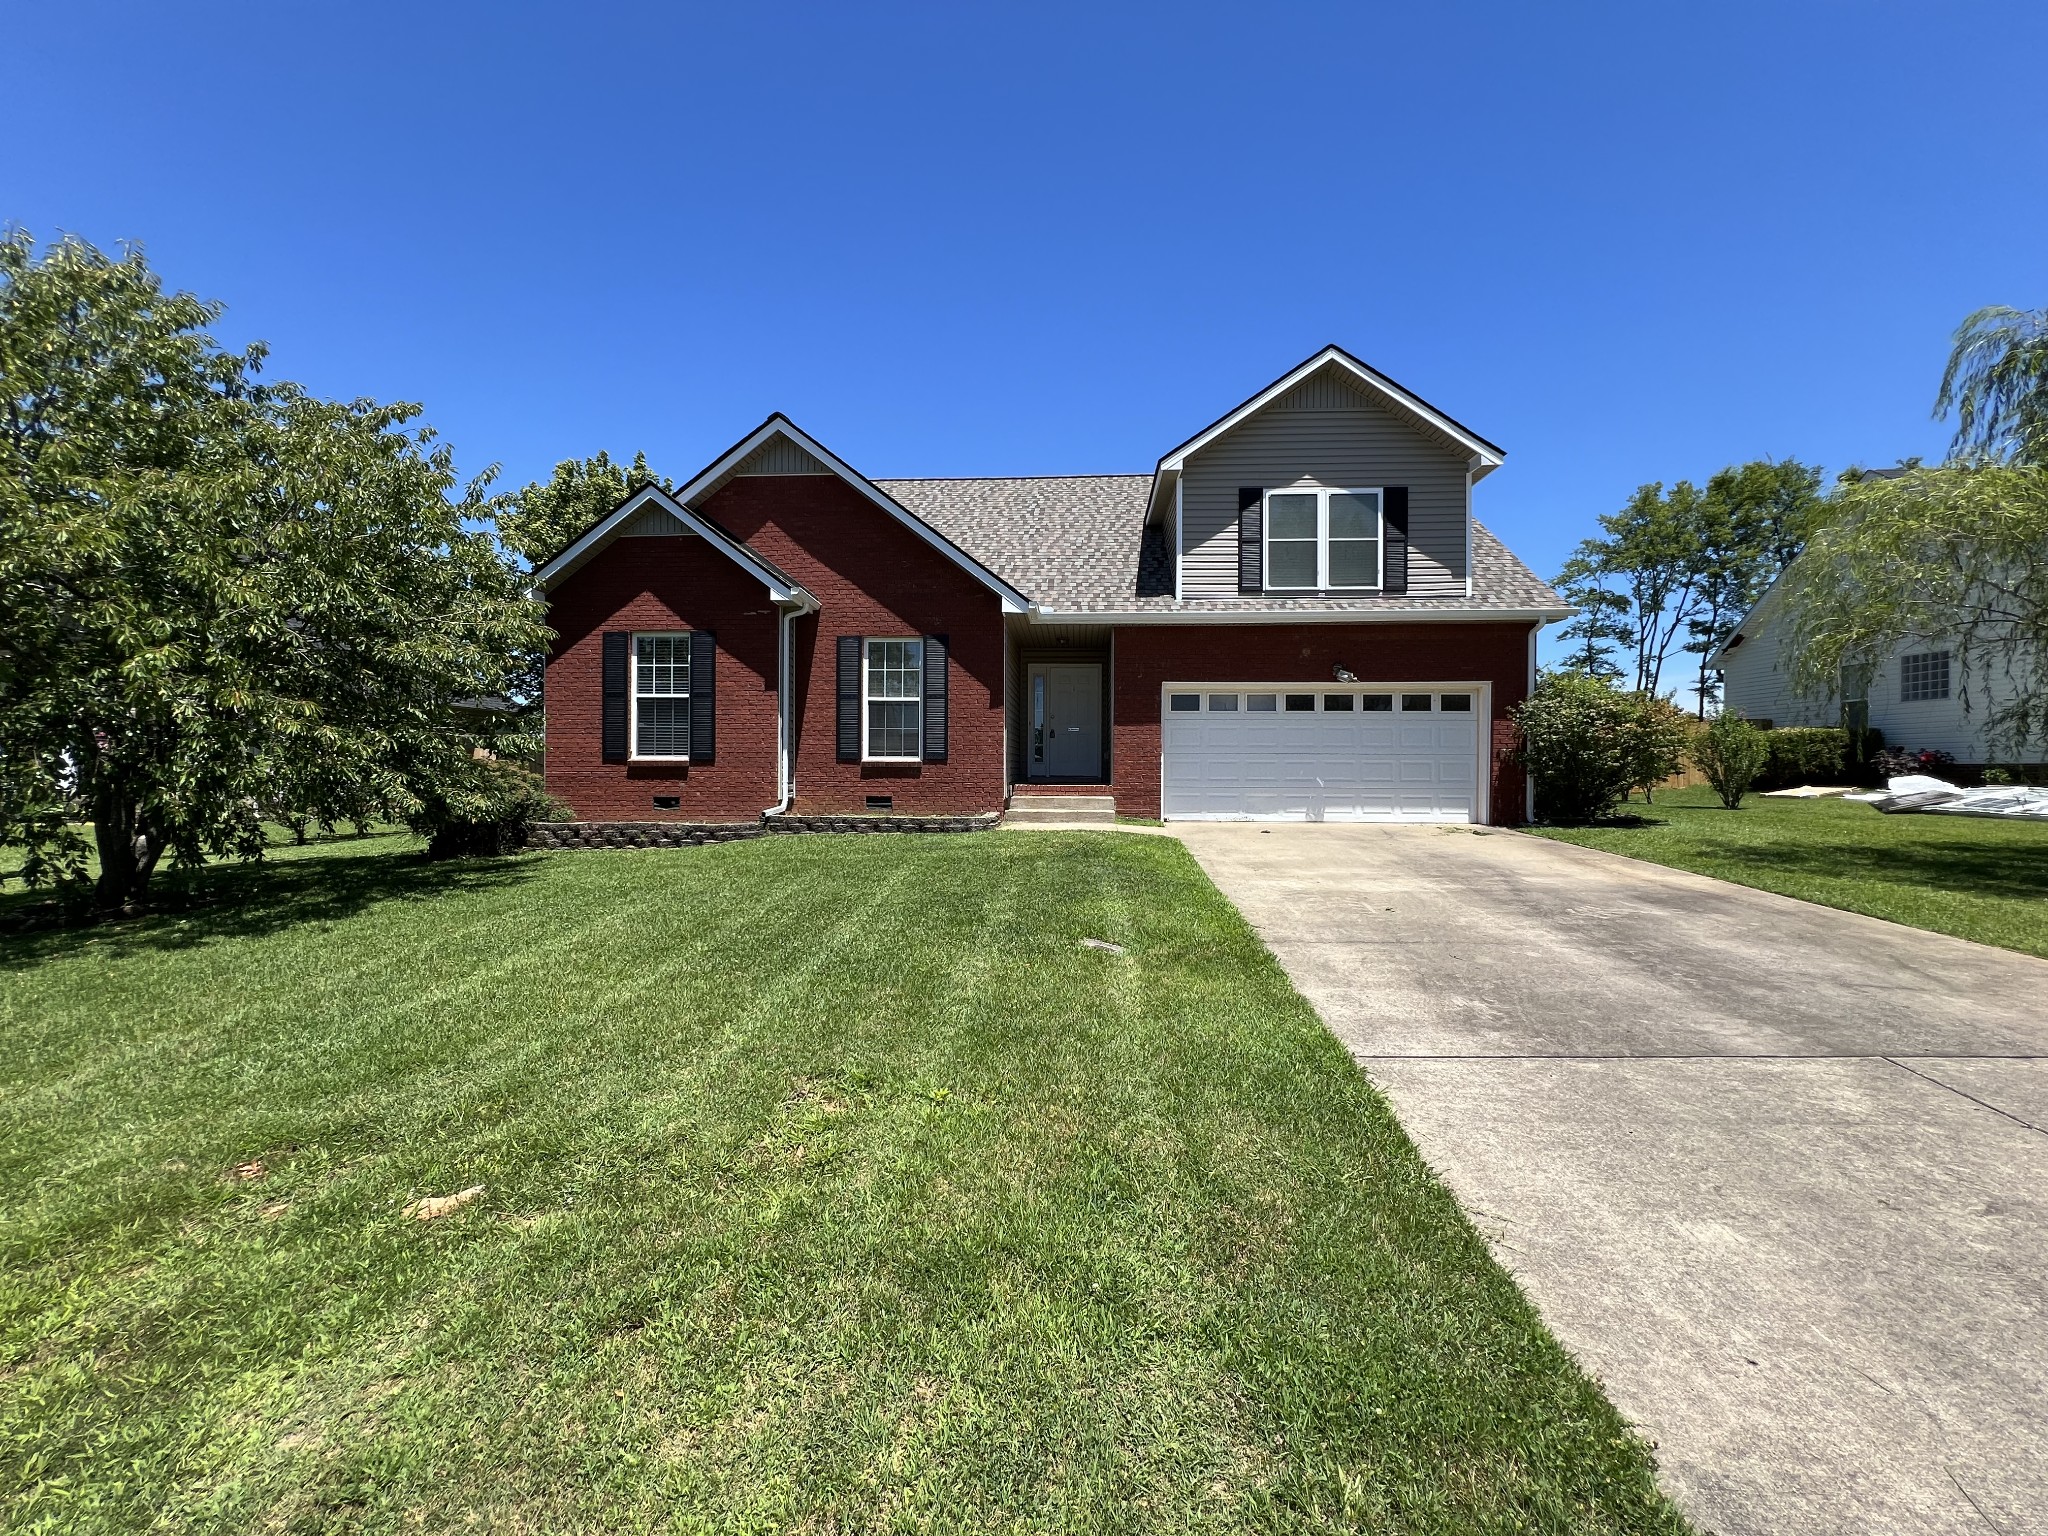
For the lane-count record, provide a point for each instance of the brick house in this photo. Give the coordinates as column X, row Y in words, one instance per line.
column 1293, row 617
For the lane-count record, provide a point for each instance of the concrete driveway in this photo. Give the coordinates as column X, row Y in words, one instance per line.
column 1776, row 1174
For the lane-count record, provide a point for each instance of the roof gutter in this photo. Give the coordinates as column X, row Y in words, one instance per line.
column 1300, row 616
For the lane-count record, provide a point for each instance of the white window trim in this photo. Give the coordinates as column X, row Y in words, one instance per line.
column 866, row 698
column 1322, row 494
column 633, row 753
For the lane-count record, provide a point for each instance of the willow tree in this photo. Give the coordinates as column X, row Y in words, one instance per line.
column 1996, row 383
column 220, row 593
column 1958, row 553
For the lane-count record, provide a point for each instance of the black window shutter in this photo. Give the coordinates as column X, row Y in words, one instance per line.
column 703, row 696
column 1395, row 530
column 1251, row 553
column 614, row 717
column 849, row 698
column 935, row 698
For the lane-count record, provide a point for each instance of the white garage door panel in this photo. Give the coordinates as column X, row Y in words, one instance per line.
column 1325, row 764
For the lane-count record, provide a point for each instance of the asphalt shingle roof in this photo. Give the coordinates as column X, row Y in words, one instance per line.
column 1078, row 543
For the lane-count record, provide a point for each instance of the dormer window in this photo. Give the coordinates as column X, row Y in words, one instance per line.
column 1323, row 540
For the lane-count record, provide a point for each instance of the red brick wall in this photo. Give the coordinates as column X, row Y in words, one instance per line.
column 871, row 575
column 1149, row 656
column 674, row 583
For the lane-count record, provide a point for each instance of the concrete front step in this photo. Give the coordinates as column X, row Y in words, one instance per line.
column 1028, row 808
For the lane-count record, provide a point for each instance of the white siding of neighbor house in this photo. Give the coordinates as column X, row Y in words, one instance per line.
column 1755, row 682
column 1325, row 432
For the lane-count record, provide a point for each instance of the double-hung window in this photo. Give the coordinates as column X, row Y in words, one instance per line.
column 661, row 696
column 1323, row 540
column 894, row 702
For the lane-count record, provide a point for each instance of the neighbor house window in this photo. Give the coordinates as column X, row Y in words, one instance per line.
column 895, row 699
column 1923, row 677
column 1322, row 540
column 661, row 695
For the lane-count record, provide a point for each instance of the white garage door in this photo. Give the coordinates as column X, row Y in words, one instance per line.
column 1331, row 754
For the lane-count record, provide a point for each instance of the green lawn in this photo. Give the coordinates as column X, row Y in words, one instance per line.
column 831, row 1185
column 1975, row 878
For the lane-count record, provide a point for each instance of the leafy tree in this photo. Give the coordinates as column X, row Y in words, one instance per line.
column 1731, row 753
column 1996, row 383
column 1688, row 563
column 1588, row 743
column 1651, row 548
column 1956, row 555
column 544, row 518
column 1752, row 523
column 221, row 593
column 1600, row 626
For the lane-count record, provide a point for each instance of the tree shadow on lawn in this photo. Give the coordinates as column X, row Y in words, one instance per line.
column 243, row 900
column 2013, row 871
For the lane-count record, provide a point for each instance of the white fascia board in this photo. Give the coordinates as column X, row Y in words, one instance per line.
column 1302, row 616
column 780, row 588
column 779, row 425
column 1164, row 496
column 1486, row 458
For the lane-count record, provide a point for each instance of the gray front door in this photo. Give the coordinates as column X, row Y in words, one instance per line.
column 1066, row 721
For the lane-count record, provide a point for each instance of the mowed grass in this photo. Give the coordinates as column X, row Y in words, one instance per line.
column 1976, row 878
column 830, row 1185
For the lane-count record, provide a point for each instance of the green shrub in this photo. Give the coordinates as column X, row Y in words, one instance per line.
column 1804, row 755
column 1587, row 744
column 1663, row 740
column 488, row 809
column 1731, row 752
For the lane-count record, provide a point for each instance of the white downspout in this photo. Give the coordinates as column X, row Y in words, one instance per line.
column 785, row 780
column 1529, row 779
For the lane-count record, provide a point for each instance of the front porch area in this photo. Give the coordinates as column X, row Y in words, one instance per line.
column 1060, row 728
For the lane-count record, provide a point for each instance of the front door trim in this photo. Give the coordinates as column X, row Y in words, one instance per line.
column 1038, row 691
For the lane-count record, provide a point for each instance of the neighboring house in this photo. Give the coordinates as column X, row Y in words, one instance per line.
column 1294, row 617
column 1915, row 695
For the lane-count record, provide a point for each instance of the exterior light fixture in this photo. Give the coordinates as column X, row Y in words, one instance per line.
column 1343, row 674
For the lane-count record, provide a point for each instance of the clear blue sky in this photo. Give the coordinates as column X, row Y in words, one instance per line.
column 1628, row 242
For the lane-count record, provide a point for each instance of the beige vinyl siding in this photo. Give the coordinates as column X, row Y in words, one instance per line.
column 1324, row 432
column 652, row 522
column 780, row 456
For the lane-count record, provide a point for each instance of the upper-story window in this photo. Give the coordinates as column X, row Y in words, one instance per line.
column 1323, row 539
column 1924, row 676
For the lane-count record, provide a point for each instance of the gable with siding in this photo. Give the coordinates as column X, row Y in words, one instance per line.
column 1326, row 432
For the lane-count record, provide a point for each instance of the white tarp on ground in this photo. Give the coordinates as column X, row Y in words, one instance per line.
column 1920, row 792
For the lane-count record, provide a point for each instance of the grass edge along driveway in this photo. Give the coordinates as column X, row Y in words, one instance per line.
column 829, row 1184
column 1971, row 877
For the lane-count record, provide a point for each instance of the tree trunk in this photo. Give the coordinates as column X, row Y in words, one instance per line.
column 128, row 853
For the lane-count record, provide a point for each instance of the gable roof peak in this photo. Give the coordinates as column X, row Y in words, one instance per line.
column 781, row 588
column 1486, row 456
